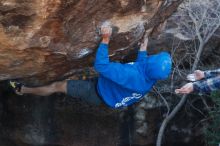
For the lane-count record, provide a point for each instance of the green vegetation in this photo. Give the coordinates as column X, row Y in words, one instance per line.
column 212, row 132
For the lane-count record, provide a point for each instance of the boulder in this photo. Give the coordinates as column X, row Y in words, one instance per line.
column 44, row 40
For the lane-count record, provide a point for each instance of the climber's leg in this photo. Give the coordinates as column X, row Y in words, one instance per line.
column 85, row 90
column 44, row 90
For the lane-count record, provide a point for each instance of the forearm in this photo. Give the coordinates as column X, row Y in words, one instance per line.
column 200, row 88
column 212, row 73
column 144, row 45
column 142, row 53
column 143, row 48
column 207, row 86
column 102, row 58
column 105, row 40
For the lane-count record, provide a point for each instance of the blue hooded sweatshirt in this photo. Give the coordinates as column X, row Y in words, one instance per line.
column 120, row 84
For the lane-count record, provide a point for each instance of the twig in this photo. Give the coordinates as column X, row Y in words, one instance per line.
column 184, row 98
column 196, row 109
column 164, row 100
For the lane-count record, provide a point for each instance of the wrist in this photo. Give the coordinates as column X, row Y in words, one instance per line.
column 105, row 40
column 195, row 87
column 203, row 74
column 207, row 74
column 143, row 49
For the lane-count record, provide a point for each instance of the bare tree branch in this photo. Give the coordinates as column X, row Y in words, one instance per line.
column 164, row 100
column 202, row 21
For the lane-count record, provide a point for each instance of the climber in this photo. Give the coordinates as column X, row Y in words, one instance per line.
column 118, row 85
column 202, row 82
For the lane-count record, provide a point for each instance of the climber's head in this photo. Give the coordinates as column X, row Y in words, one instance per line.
column 158, row 66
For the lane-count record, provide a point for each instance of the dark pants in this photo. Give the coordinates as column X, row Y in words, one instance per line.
column 85, row 90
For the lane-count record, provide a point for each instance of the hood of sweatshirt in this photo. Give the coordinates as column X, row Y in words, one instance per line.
column 158, row 67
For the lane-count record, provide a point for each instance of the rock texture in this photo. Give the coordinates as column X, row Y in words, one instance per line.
column 45, row 39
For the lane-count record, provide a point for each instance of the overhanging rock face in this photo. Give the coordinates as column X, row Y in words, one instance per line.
column 45, row 39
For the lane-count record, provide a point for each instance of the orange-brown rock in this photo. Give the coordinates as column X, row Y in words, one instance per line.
column 45, row 39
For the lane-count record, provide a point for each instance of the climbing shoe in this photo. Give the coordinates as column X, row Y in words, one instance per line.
column 16, row 86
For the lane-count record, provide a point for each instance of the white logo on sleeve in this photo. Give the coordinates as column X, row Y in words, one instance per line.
column 127, row 99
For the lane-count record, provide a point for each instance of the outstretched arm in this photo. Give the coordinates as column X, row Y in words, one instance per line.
column 102, row 57
column 199, row 75
column 144, row 44
column 142, row 54
column 205, row 86
column 116, row 72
